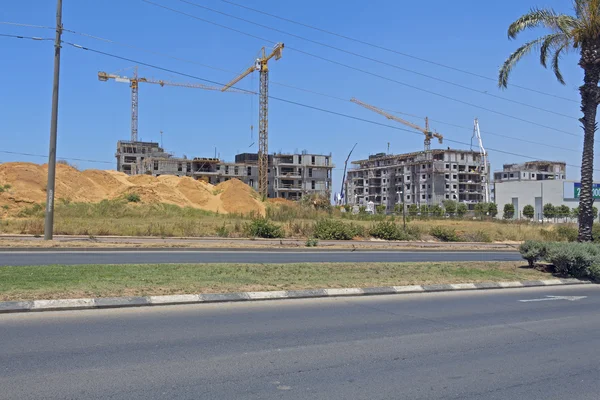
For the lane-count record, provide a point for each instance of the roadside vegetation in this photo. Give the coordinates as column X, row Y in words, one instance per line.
column 127, row 217
column 77, row 281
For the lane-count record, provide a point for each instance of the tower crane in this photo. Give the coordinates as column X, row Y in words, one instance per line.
column 261, row 65
column 428, row 134
column 484, row 160
column 134, row 84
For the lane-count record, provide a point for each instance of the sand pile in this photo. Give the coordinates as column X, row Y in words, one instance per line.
column 28, row 186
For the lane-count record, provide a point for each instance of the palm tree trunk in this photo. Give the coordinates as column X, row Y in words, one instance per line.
column 590, row 62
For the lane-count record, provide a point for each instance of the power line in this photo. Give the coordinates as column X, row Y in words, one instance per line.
column 380, row 61
column 25, row 37
column 26, row 25
column 60, row 158
column 77, row 46
column 298, row 88
column 368, row 72
column 392, row 50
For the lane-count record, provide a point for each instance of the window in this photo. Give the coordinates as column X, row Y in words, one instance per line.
column 422, row 166
column 269, row 171
column 235, row 170
column 385, row 198
column 447, row 176
column 447, row 166
column 423, row 187
column 462, row 156
column 408, row 178
column 429, row 196
column 188, row 167
column 384, row 190
column 424, row 176
column 226, row 170
column 312, row 185
column 179, row 167
column 454, row 176
column 408, row 197
column 447, row 196
column 251, row 182
column 512, row 175
column 249, row 171
column 505, row 176
column 454, row 166
column 313, row 160
column 453, row 186
column 447, row 186
column 156, row 165
column 423, row 197
column 299, row 159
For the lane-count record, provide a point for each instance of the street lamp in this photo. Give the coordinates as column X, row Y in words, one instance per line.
column 403, row 208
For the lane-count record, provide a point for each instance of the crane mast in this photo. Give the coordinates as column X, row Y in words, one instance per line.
column 263, row 112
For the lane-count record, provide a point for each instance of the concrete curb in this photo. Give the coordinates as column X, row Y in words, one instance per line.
column 118, row 302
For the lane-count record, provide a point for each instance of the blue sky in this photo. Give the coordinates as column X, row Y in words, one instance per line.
column 469, row 35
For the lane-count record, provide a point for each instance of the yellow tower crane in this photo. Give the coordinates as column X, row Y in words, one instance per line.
column 134, row 84
column 263, row 112
column 428, row 134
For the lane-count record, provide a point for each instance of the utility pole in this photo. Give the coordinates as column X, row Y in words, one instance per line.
column 49, row 223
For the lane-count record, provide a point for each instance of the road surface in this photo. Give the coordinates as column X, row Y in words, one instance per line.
column 468, row 345
column 45, row 257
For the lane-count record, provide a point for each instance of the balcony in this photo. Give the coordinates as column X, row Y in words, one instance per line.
column 288, row 187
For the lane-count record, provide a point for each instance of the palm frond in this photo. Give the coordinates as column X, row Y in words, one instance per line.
column 514, row 59
column 588, row 20
column 552, row 41
column 556, row 61
column 537, row 17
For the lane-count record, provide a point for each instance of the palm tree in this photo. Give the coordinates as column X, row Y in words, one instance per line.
column 569, row 33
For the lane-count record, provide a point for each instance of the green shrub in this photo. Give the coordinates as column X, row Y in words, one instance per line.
column 567, row 233
column 509, row 211
column 563, row 211
column 444, row 234
column 573, row 259
column 222, row 231
column 380, row 209
column 35, row 210
column 263, row 228
column 461, row 209
column 476, row 237
column 312, row 242
column 330, row 229
column 133, row 198
column 389, row 231
column 413, row 210
column 493, row 209
column 596, row 232
column 528, row 211
column 595, row 272
column 437, row 211
column 549, row 211
column 533, row 251
column 424, row 211
column 481, row 209
column 348, row 208
column 450, row 206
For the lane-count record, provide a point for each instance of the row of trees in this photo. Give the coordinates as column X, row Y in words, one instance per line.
column 550, row 211
column 448, row 207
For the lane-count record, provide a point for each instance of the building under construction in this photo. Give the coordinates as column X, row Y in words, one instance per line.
column 290, row 176
column 422, row 178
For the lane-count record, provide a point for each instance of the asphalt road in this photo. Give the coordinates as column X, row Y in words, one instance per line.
column 468, row 345
column 226, row 256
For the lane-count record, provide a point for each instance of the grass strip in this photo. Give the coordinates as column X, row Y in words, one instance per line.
column 77, row 281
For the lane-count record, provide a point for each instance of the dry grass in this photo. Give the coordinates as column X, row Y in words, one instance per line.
column 161, row 220
column 54, row 282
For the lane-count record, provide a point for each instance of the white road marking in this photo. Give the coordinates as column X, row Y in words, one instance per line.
column 552, row 298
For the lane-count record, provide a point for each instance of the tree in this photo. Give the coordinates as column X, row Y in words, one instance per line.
column 413, row 210
column 436, row 210
column 549, row 211
column 424, row 210
column 461, row 209
column 493, row 209
column 595, row 212
column 450, row 206
column 575, row 212
column 398, row 208
column 563, row 211
column 569, row 33
column 509, row 211
column 528, row 211
column 380, row 209
column 481, row 209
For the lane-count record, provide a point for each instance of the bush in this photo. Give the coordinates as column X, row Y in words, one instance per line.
column 563, row 211
column 481, row 209
column 222, row 231
column 312, row 242
column 330, row 229
column 533, row 251
column 528, row 211
column 596, row 232
column 450, row 206
column 413, row 210
column 567, row 233
column 477, row 237
column 380, row 209
column 437, row 211
column 424, row 211
column 461, row 209
column 133, row 198
column 444, row 234
column 549, row 211
column 573, row 259
column 398, row 209
column 509, row 211
column 493, row 209
column 263, row 228
column 389, row 231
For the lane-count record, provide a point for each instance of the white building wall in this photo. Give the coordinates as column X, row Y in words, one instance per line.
column 536, row 194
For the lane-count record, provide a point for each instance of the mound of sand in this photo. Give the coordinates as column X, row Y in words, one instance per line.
column 28, row 185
